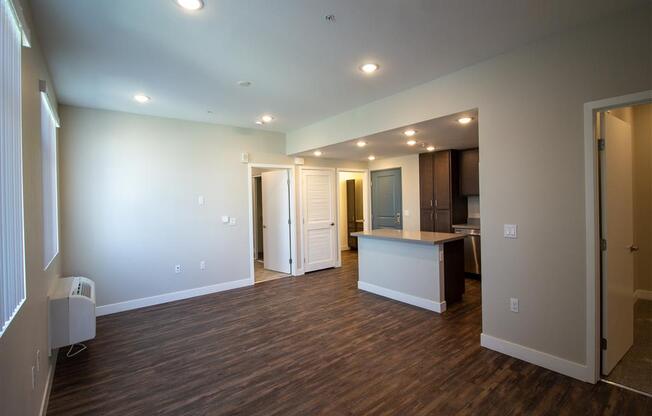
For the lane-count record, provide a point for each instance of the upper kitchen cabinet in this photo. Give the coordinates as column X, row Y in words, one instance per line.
column 442, row 205
column 470, row 172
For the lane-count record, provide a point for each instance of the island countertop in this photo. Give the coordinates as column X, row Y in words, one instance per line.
column 419, row 237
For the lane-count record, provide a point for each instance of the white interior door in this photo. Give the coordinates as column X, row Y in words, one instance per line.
column 319, row 212
column 276, row 220
column 617, row 230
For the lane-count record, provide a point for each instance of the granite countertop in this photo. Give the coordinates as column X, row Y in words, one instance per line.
column 420, row 237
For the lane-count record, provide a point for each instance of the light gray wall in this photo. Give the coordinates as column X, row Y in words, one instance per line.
column 532, row 172
column 129, row 193
column 409, row 186
column 28, row 332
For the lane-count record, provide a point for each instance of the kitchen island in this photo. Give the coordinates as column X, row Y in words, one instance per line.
column 424, row 269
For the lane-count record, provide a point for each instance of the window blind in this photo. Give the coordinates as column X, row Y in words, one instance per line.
column 49, row 126
column 12, row 253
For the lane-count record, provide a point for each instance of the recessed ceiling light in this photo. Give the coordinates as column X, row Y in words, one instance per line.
column 259, row 122
column 190, row 4
column 430, row 148
column 244, row 83
column 317, row 153
column 267, row 118
column 369, row 68
column 371, row 157
column 361, row 143
column 411, row 142
column 410, row 132
column 464, row 120
column 142, row 98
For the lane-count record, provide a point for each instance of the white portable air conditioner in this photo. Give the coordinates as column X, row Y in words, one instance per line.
column 72, row 311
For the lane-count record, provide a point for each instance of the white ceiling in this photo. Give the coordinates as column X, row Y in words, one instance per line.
column 443, row 133
column 303, row 69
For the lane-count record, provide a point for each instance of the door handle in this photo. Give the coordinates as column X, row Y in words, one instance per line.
column 332, row 224
column 264, row 226
column 633, row 248
column 398, row 217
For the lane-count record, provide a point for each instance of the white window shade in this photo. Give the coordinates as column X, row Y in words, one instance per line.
column 49, row 124
column 12, row 253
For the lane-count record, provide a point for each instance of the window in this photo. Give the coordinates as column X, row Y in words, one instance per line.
column 12, row 253
column 49, row 124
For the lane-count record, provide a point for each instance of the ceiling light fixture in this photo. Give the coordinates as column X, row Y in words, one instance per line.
column 317, row 153
column 361, row 143
column 371, row 157
column 464, row 120
column 369, row 68
column 244, row 83
column 267, row 118
column 411, row 142
column 430, row 148
column 410, row 132
column 191, row 5
column 142, row 98
column 259, row 122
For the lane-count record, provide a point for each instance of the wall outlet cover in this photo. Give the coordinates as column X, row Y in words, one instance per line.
column 513, row 304
column 510, row 231
column 202, row 265
column 177, row 268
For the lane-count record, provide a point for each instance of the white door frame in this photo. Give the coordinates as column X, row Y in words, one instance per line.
column 293, row 216
column 592, row 209
column 366, row 204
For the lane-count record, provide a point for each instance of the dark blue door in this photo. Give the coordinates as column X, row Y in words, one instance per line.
column 386, row 199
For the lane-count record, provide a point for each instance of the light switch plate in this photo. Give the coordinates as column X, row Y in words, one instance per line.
column 200, row 200
column 202, row 265
column 513, row 304
column 510, row 231
column 177, row 268
column 232, row 221
column 225, row 219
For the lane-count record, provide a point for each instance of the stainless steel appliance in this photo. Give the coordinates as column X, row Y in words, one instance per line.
column 471, row 246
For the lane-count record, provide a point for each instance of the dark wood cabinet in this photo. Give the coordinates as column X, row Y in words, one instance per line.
column 441, row 202
column 470, row 172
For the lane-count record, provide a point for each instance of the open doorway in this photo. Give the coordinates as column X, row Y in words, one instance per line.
column 352, row 206
column 625, row 178
column 271, row 222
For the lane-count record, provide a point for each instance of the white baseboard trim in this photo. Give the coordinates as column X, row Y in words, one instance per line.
column 403, row 297
column 48, row 385
column 642, row 294
column 170, row 297
column 542, row 359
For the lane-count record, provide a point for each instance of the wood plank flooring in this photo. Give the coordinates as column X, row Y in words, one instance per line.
column 312, row 345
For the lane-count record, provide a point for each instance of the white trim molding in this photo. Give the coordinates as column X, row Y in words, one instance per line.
column 48, row 383
column 403, row 297
column 642, row 294
column 542, row 359
column 171, row 297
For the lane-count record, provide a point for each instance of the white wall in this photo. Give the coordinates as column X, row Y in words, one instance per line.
column 28, row 332
column 129, row 194
column 642, row 170
column 532, row 172
column 409, row 186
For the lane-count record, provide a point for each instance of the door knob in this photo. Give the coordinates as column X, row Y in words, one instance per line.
column 633, row 248
column 332, row 224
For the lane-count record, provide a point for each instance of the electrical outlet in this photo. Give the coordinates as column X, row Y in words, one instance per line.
column 38, row 361
column 513, row 304
column 177, row 268
column 202, row 265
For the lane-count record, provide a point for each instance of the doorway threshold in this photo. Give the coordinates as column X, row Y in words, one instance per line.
column 622, row 386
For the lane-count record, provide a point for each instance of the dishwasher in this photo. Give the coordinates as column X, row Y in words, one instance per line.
column 471, row 248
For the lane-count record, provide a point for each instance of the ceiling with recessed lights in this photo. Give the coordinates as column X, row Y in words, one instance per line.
column 441, row 133
column 300, row 66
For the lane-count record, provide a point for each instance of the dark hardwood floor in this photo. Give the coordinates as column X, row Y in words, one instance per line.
column 312, row 345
